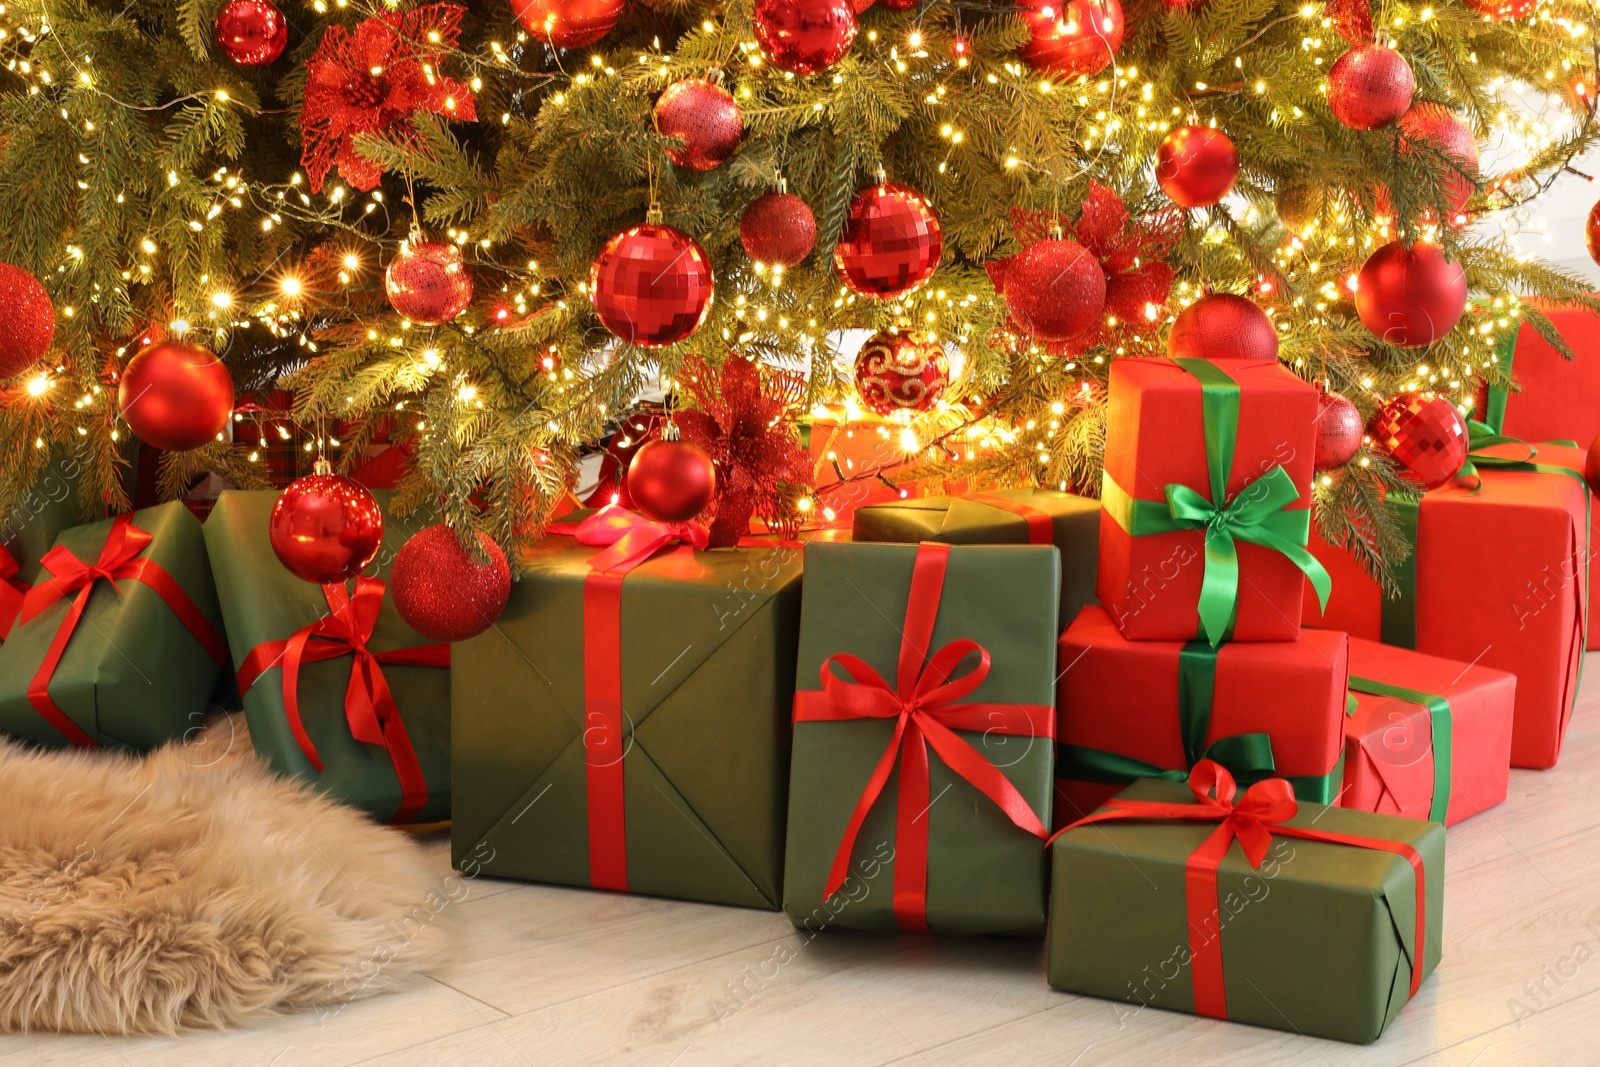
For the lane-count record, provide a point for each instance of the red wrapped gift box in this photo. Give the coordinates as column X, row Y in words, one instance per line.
column 1557, row 399
column 1557, row 454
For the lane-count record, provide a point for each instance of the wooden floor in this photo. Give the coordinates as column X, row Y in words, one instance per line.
column 552, row 976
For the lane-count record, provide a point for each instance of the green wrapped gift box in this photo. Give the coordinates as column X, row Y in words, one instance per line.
column 371, row 727
column 30, row 529
column 903, row 649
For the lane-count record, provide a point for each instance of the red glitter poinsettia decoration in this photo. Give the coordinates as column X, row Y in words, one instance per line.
column 745, row 422
column 372, row 80
column 1351, row 19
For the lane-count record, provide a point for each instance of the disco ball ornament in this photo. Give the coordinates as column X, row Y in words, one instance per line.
column 1591, row 467
column 428, row 283
column 805, row 36
column 1503, row 10
column 706, row 117
column 442, row 592
column 1591, row 232
column 27, row 321
column 778, row 229
column 1223, row 326
column 1423, row 433
column 900, row 372
column 891, row 242
column 1370, row 87
column 1055, row 289
column 1298, row 203
column 325, row 528
column 176, row 396
column 1410, row 296
column 1438, row 126
column 1078, row 37
column 651, row 285
column 1196, row 166
column 568, row 23
column 1338, row 431
column 671, row 481
column 251, row 32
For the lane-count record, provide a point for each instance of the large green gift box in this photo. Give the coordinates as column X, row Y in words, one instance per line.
column 365, row 714
column 119, row 642
column 30, row 529
column 903, row 649
column 628, row 729
column 1252, row 907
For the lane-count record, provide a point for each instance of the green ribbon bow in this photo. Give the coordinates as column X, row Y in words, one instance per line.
column 1441, row 722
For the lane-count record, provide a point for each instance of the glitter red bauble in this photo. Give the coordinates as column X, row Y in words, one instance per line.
column 428, row 283
column 1055, row 289
column 325, row 528
column 706, row 117
column 1223, row 326
column 651, row 285
column 442, row 592
column 1423, row 433
column 805, row 36
column 568, row 23
column 671, row 481
column 858, row 6
column 1438, row 126
column 251, row 32
column 176, row 396
column 27, row 321
column 778, row 228
column 1338, row 431
column 1370, row 87
column 891, row 242
column 1077, row 37
column 1591, row 467
column 900, row 372
column 1410, row 296
column 1503, row 10
column 1591, row 232
column 1196, row 166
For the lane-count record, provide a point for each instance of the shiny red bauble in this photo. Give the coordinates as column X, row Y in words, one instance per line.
column 671, row 481
column 778, row 229
column 1338, row 431
column 1438, row 126
column 1370, row 87
column 442, row 592
column 891, row 242
column 1591, row 232
column 805, row 36
column 651, row 285
column 1503, row 10
column 1423, row 433
column 858, row 6
column 901, row 372
column 176, row 396
column 568, row 23
column 1591, row 467
column 1196, row 166
column 325, row 528
column 1410, row 296
column 251, row 32
column 1072, row 38
column 1223, row 326
column 704, row 115
column 1055, row 289
column 428, row 283
column 27, row 320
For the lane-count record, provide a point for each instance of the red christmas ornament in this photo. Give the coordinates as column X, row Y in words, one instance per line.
column 251, row 32
column 428, row 283
column 27, row 320
column 899, row 372
column 705, row 115
column 1339, row 431
column 1370, row 87
column 805, row 36
column 1410, row 296
column 176, row 396
column 1196, row 166
column 671, row 481
column 1423, row 433
column 651, row 285
column 1223, row 326
column 1054, row 289
column 778, row 228
column 1503, row 10
column 901, row 5
column 1072, row 38
column 891, row 243
column 442, row 592
column 1591, row 232
column 858, row 6
column 1591, row 467
column 568, row 23
column 325, row 528
column 1437, row 126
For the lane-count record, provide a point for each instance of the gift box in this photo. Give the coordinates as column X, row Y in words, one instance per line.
column 964, row 633
column 337, row 689
column 30, row 530
column 1206, row 497
column 119, row 642
column 1136, row 709
column 1555, row 401
column 1000, row 517
column 624, row 725
column 1321, row 921
column 1426, row 738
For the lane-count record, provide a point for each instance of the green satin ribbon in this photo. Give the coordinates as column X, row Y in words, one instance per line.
column 1442, row 724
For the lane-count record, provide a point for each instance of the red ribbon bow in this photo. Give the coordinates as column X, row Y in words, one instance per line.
column 925, row 704
column 11, row 592
column 369, row 706
column 631, row 538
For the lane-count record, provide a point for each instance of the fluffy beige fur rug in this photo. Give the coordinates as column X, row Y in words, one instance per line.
column 193, row 888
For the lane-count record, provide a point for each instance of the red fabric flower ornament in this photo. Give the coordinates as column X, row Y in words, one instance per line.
column 372, row 80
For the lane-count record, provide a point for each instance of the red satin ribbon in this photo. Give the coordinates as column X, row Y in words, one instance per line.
column 369, row 706
column 1252, row 822
column 1041, row 530
column 925, row 705
column 11, row 592
column 119, row 559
